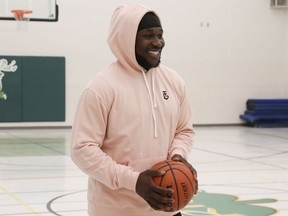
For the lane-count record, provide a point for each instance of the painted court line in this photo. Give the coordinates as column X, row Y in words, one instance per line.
column 31, row 210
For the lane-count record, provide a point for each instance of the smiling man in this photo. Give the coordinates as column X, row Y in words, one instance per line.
column 133, row 114
column 149, row 41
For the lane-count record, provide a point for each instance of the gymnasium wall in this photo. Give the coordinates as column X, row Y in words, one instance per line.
column 227, row 51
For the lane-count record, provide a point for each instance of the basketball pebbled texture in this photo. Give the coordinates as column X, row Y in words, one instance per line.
column 178, row 177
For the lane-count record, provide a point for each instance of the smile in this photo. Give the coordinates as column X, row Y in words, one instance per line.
column 154, row 53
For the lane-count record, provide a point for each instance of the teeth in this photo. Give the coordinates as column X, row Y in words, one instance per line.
column 154, row 52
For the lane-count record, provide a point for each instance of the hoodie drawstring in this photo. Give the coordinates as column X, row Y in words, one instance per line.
column 152, row 100
column 153, row 90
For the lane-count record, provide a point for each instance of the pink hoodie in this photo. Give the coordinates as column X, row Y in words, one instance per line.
column 127, row 120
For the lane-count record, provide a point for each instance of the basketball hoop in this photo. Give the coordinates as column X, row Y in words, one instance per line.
column 22, row 21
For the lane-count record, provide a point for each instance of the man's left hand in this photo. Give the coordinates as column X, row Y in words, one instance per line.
column 179, row 158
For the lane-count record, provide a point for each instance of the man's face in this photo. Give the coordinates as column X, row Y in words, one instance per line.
column 149, row 44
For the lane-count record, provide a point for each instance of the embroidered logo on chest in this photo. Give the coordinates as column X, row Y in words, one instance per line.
column 165, row 95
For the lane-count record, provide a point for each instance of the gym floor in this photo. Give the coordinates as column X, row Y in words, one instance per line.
column 243, row 171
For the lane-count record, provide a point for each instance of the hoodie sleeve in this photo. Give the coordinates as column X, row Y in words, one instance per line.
column 183, row 138
column 87, row 139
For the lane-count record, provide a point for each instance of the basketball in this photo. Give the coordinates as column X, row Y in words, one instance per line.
column 178, row 177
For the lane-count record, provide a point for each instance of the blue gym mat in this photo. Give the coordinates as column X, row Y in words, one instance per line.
column 266, row 112
column 267, row 104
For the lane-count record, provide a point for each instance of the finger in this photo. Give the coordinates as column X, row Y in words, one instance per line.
column 196, row 188
column 179, row 158
column 161, row 207
column 154, row 173
column 192, row 170
column 176, row 157
column 159, row 202
column 163, row 195
column 164, row 192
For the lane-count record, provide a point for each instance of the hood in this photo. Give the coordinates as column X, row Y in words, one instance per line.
column 123, row 31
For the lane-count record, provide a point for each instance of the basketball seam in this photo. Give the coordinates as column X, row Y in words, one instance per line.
column 191, row 184
column 176, row 167
column 176, row 186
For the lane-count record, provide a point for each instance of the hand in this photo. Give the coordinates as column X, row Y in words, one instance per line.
column 179, row 158
column 156, row 196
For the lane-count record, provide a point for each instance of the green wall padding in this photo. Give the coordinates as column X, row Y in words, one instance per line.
column 11, row 108
column 35, row 91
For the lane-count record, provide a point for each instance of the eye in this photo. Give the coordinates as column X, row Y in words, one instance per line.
column 160, row 36
column 153, row 36
column 148, row 36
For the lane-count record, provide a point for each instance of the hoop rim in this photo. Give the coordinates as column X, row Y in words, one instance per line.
column 19, row 14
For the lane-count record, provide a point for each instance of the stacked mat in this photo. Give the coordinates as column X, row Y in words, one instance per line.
column 266, row 112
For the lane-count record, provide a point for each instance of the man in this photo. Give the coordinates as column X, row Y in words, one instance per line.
column 133, row 114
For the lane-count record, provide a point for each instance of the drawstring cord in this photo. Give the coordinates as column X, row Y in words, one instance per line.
column 152, row 100
column 153, row 90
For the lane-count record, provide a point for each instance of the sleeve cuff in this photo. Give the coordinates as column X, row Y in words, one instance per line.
column 129, row 181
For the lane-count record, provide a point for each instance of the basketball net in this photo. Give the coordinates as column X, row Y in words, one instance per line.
column 22, row 21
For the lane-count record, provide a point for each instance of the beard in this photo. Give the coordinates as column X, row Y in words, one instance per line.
column 144, row 63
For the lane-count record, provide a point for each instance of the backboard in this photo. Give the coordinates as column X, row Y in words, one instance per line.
column 43, row 10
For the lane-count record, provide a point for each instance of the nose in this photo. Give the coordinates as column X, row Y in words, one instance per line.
column 159, row 42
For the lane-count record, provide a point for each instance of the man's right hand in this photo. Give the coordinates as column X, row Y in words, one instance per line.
column 156, row 196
